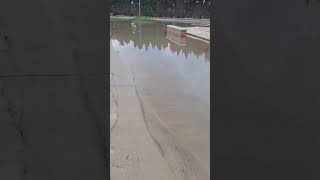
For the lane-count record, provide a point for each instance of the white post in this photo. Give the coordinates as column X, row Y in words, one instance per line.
column 139, row 7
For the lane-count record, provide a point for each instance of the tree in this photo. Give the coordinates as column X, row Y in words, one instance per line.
column 161, row 8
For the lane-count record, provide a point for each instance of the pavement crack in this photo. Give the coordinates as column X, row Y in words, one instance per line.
column 160, row 148
column 147, row 124
column 114, row 125
column 116, row 104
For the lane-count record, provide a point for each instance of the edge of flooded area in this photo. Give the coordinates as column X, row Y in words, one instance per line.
column 199, row 22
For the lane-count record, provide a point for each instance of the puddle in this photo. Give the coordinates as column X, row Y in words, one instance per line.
column 174, row 74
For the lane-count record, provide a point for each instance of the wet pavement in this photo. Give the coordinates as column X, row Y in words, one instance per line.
column 200, row 32
column 52, row 84
column 173, row 74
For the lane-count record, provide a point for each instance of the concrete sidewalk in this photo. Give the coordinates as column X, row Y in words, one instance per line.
column 195, row 22
column 134, row 155
column 199, row 32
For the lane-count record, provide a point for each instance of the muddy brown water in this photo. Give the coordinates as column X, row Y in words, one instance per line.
column 174, row 75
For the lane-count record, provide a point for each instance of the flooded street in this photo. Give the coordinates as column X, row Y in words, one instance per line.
column 173, row 74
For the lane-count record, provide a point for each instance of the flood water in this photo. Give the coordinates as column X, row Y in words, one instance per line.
column 174, row 74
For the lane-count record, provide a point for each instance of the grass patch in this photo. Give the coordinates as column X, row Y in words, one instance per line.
column 120, row 18
column 142, row 19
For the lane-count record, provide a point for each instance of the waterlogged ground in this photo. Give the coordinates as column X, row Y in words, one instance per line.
column 174, row 75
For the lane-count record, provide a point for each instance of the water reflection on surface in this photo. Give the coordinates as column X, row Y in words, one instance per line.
column 174, row 74
column 153, row 35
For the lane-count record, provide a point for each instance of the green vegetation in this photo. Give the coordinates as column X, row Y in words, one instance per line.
column 118, row 18
column 141, row 19
column 163, row 8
